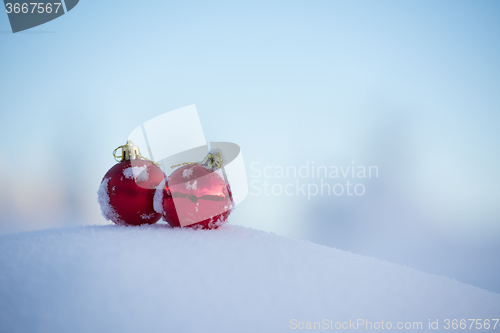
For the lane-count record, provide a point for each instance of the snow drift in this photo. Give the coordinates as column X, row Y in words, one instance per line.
column 159, row 279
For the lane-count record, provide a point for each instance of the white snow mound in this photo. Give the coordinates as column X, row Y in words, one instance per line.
column 159, row 279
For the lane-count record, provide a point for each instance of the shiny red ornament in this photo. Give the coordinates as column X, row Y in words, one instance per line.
column 127, row 190
column 195, row 196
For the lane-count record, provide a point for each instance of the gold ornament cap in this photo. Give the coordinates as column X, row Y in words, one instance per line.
column 129, row 152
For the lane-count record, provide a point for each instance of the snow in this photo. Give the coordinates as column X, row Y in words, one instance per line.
column 141, row 173
column 107, row 210
column 161, row 279
column 147, row 216
column 192, row 186
column 186, row 173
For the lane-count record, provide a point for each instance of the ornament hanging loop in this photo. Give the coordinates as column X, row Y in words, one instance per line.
column 118, row 158
column 213, row 161
column 130, row 152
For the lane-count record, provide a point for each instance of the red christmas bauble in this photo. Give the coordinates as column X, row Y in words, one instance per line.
column 127, row 191
column 194, row 196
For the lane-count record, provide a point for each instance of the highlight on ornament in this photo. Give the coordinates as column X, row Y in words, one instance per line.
column 167, row 170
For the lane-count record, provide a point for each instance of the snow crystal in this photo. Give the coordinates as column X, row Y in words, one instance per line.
column 196, row 227
column 232, row 279
column 147, row 216
column 140, row 172
column 103, row 198
column 186, row 173
column 158, row 198
column 215, row 224
column 193, row 186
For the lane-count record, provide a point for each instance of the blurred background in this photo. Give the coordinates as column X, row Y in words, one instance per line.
column 409, row 87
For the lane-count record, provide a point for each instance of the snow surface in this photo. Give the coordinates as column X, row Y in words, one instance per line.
column 159, row 279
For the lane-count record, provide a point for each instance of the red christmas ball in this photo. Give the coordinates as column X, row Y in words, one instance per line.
column 127, row 191
column 194, row 196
